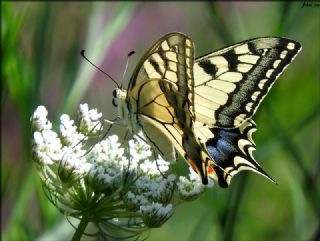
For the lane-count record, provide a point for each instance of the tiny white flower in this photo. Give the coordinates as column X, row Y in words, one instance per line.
column 191, row 187
column 139, row 150
column 39, row 119
column 70, row 135
column 37, row 138
column 156, row 188
column 74, row 160
column 101, row 151
column 89, row 120
column 135, row 201
column 84, row 167
column 155, row 214
column 45, row 159
column 40, row 112
column 153, row 167
column 47, row 146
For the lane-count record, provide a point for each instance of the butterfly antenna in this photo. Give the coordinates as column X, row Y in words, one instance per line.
column 125, row 70
column 83, row 56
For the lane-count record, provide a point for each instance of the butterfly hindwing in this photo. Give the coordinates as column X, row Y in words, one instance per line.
column 231, row 149
column 157, row 118
column 231, row 83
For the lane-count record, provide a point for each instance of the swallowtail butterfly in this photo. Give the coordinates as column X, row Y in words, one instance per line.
column 200, row 109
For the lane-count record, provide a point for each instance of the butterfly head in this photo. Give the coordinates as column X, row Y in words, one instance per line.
column 119, row 98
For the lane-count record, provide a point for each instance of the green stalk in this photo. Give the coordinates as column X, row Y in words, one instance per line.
column 81, row 228
column 236, row 196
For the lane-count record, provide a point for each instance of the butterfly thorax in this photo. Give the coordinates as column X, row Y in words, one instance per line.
column 125, row 110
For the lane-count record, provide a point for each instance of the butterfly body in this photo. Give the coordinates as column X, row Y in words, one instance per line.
column 201, row 108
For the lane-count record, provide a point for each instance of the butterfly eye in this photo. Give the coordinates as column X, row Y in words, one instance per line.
column 114, row 93
column 114, row 103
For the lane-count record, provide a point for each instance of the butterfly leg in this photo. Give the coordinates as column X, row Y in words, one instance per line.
column 98, row 138
column 156, row 160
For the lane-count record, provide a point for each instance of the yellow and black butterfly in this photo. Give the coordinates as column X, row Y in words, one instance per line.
column 201, row 108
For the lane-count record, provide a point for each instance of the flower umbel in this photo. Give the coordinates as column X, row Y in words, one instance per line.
column 121, row 189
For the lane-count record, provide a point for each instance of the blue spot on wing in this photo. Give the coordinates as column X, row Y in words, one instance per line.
column 228, row 135
column 215, row 154
column 223, row 145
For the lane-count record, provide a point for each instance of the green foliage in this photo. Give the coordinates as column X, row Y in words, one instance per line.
column 41, row 64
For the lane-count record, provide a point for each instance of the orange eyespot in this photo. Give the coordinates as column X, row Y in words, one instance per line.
column 194, row 167
column 210, row 169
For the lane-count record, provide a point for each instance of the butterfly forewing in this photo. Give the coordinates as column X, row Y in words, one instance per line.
column 231, row 83
column 171, row 58
column 162, row 86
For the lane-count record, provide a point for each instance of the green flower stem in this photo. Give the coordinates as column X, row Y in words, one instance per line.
column 81, row 227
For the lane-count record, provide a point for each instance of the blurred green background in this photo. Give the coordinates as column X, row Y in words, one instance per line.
column 41, row 64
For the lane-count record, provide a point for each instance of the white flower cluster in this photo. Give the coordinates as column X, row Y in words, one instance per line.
column 106, row 159
column 46, row 143
column 89, row 120
column 51, row 149
column 190, row 188
column 132, row 176
column 142, row 157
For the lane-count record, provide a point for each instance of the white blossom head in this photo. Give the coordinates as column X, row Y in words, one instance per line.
column 124, row 185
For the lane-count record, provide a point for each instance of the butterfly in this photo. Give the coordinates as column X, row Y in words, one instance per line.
column 200, row 109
